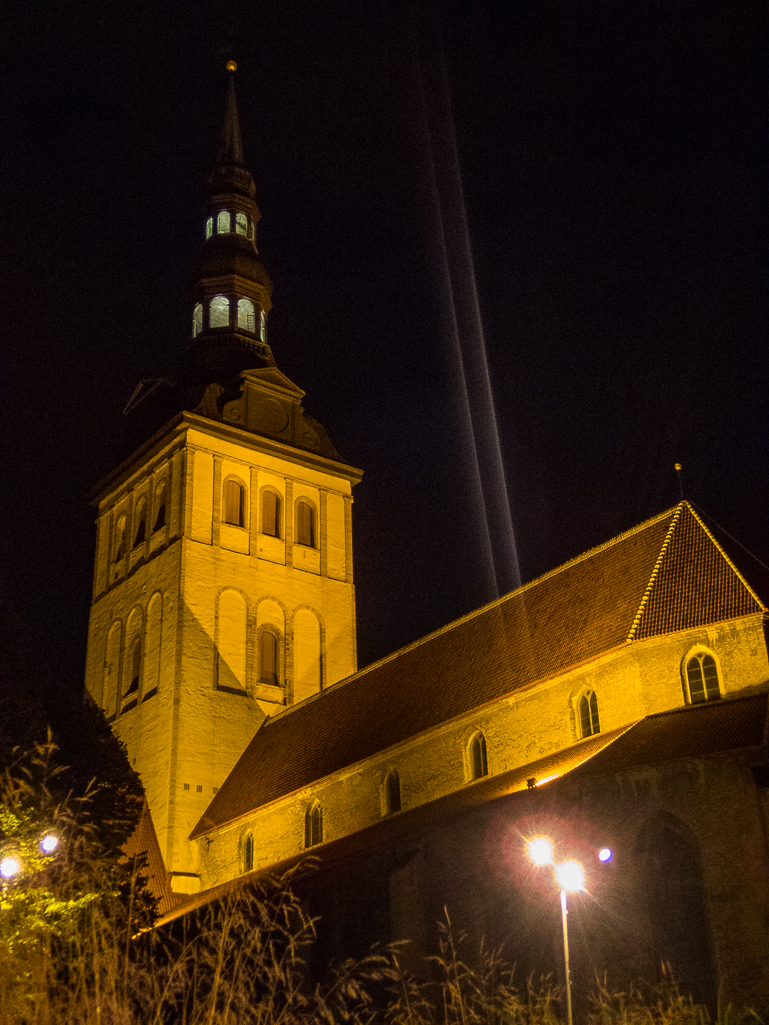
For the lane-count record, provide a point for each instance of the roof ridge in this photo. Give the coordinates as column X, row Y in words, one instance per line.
column 485, row 608
column 732, row 566
column 655, row 571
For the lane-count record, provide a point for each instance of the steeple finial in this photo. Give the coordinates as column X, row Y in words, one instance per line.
column 231, row 151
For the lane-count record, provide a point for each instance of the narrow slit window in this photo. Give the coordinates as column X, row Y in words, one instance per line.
column 246, row 315
column 305, row 524
column 270, row 510
column 241, row 224
column 141, row 524
column 197, row 320
column 160, row 505
column 262, row 325
column 136, row 665
column 588, row 715
column 393, row 792
column 248, row 853
column 120, row 539
column 702, row 677
column 268, row 658
column 234, row 503
column 478, row 764
column 313, row 826
column 209, row 227
column 219, row 312
column 223, row 222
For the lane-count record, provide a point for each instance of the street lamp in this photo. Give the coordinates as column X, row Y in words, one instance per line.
column 570, row 877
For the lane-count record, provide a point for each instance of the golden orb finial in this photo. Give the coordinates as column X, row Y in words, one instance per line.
column 232, row 66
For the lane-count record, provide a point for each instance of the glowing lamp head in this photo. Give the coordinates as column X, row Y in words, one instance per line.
column 541, row 851
column 49, row 843
column 605, row 854
column 570, row 876
column 9, row 867
column 232, row 66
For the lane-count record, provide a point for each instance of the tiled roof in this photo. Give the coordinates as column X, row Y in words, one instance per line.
column 697, row 731
column 666, row 574
column 144, row 840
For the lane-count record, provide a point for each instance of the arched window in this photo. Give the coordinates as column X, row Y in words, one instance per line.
column 675, row 898
column 392, row 792
column 313, row 825
column 268, row 658
column 209, row 227
column 223, row 222
column 248, row 852
column 702, row 678
column 141, row 524
column 234, row 502
column 241, row 224
column 270, row 513
column 219, row 312
column 246, row 316
column 120, row 538
column 197, row 320
column 478, row 764
column 160, row 505
column 588, row 715
column 305, row 524
column 262, row 325
column 136, row 665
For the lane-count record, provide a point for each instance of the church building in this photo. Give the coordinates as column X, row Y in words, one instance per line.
column 618, row 702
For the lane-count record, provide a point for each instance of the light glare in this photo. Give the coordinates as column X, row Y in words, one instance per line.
column 605, row 854
column 49, row 843
column 570, row 876
column 541, row 851
column 9, row 867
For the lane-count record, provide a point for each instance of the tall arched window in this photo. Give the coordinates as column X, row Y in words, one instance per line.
column 241, row 224
column 305, row 524
column 223, row 222
column 120, row 538
column 248, row 852
column 270, row 513
column 136, row 665
column 209, row 227
column 141, row 524
column 702, row 678
column 588, row 715
column 234, row 503
column 313, row 825
column 219, row 312
column 160, row 505
column 478, row 764
column 392, row 792
column 197, row 320
column 246, row 315
column 677, row 910
column 268, row 658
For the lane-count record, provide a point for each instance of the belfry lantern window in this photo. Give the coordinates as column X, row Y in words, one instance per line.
column 219, row 312
column 241, row 224
column 246, row 315
column 223, row 222
column 197, row 320
column 305, row 524
column 234, row 502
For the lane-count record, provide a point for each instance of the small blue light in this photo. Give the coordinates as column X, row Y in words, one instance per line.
column 605, row 854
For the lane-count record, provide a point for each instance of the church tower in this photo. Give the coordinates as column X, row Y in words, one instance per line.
column 223, row 585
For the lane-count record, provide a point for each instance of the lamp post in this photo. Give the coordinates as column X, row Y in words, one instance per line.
column 570, row 878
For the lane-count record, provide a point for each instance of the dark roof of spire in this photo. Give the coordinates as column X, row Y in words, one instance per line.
column 231, row 151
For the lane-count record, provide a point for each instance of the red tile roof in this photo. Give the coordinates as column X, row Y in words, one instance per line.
column 665, row 575
column 144, row 840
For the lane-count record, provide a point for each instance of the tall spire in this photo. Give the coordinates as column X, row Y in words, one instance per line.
column 231, row 151
column 231, row 287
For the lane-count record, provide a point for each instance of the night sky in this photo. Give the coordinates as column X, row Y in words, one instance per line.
column 613, row 167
